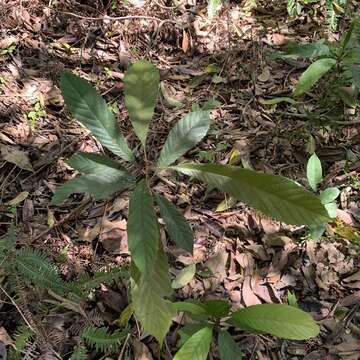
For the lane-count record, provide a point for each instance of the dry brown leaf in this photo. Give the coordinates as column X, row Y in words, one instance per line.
column 15, row 156
column 353, row 277
column 217, row 264
column 141, row 352
column 247, row 293
column 5, row 337
column 185, row 42
column 113, row 236
column 89, row 234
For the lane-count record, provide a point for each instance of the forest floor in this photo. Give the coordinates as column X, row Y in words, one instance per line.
column 240, row 254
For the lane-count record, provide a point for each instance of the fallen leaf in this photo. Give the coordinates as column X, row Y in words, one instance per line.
column 184, row 277
column 18, row 199
column 5, row 337
column 265, row 75
column 141, row 352
column 185, row 42
column 113, row 236
column 15, row 156
column 217, row 264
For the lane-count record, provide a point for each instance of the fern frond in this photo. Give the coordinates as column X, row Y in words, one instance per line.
column 86, row 282
column 102, row 340
column 22, row 336
column 37, row 268
column 79, row 354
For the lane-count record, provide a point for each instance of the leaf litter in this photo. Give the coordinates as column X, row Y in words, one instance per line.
column 239, row 254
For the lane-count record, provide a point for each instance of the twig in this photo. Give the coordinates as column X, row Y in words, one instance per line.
column 124, row 347
column 64, row 219
column 18, row 309
column 119, row 18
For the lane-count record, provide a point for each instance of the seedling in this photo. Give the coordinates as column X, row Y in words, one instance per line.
column 103, row 176
column 327, row 197
column 35, row 114
column 8, row 50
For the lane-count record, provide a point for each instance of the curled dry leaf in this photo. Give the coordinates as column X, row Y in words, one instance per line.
column 15, row 156
column 113, row 236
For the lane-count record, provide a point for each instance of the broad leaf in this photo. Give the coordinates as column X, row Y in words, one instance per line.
column 313, row 74
column 184, row 277
column 280, row 320
column 314, row 171
column 179, row 229
column 143, row 229
column 184, row 136
column 331, row 209
column 275, row 196
column 187, row 331
column 153, row 311
column 88, row 107
column 141, row 90
column 307, row 51
column 228, row 348
column 100, row 184
column 316, row 231
column 197, row 346
column 329, row 195
column 190, row 307
column 218, row 308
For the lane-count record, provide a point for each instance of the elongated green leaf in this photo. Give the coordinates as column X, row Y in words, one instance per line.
column 184, row 277
column 153, row 311
column 280, row 320
column 313, row 74
column 141, row 90
column 329, row 195
column 314, row 171
column 187, row 331
column 307, row 51
column 275, row 196
column 228, row 348
column 184, row 136
column 331, row 209
column 99, row 186
column 277, row 100
column 316, row 231
column 179, row 229
column 197, row 346
column 88, row 107
column 143, row 229
column 104, row 177
column 92, row 163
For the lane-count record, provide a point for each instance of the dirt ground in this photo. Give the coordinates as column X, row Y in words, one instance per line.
column 250, row 259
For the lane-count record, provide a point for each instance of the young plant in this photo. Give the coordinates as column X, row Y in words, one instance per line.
column 327, row 196
column 341, row 58
column 151, row 289
column 211, row 319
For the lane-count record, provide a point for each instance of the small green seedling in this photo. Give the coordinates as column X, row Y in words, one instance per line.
column 36, row 114
column 209, row 320
column 327, row 196
column 8, row 50
column 151, row 289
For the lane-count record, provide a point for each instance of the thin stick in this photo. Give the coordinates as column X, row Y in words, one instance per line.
column 18, row 309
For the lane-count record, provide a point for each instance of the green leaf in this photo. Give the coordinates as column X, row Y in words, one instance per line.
column 7, row 243
column 313, row 74
column 228, row 348
column 184, row 276
column 314, row 171
column 316, row 231
column 190, row 307
column 217, row 308
column 292, row 299
column 307, row 51
column 187, row 331
column 280, row 320
column 143, row 229
column 92, row 163
column 213, row 7
column 179, row 229
column 141, row 90
column 89, row 108
column 277, row 100
column 100, row 183
column 275, row 196
column 211, row 104
column 197, row 346
column 184, row 136
column 294, row 7
column 331, row 209
column 37, row 268
column 329, row 195
column 102, row 340
column 153, row 311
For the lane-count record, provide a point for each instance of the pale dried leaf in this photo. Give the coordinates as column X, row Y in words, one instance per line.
column 15, row 156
